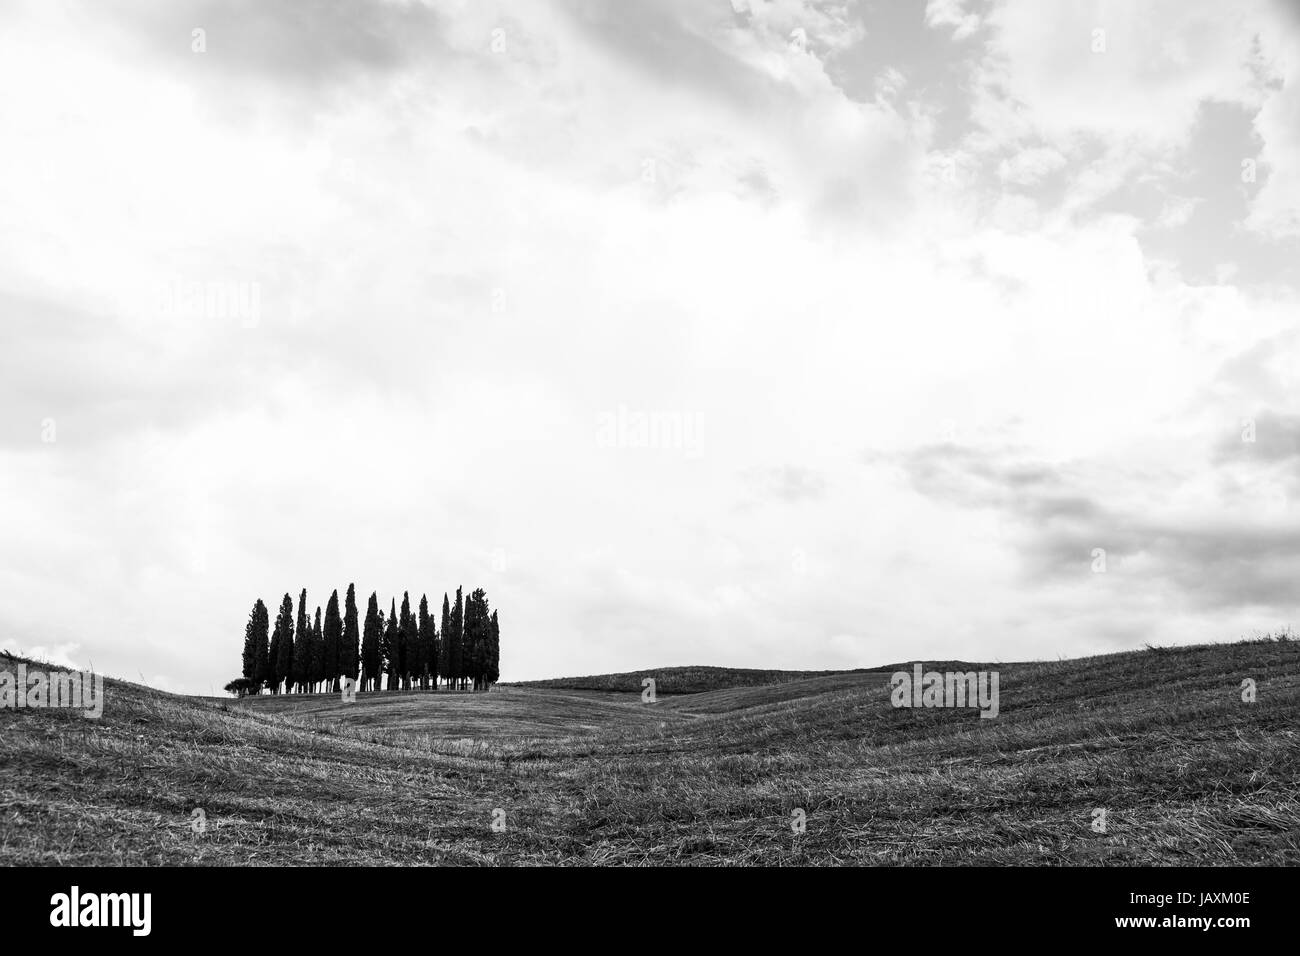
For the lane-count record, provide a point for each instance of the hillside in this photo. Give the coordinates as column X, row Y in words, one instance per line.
column 1161, row 740
column 503, row 713
column 678, row 680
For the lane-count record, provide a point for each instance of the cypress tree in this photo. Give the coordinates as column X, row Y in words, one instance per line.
column 483, row 647
column 390, row 646
column 456, row 656
column 494, row 652
column 412, row 645
column 383, row 647
column 484, row 642
column 444, row 645
column 317, row 654
column 476, row 628
column 431, row 647
column 256, row 651
column 425, row 624
column 350, row 655
column 269, row 674
column 301, row 646
column 483, row 651
column 370, row 645
column 405, row 642
column 474, row 636
column 333, row 642
column 264, row 646
column 282, row 669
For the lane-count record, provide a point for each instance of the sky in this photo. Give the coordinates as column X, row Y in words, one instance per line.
column 756, row 333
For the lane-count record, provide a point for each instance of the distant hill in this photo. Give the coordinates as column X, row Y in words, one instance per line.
column 681, row 680
column 698, row 680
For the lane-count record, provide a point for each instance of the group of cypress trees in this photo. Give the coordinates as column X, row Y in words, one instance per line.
column 407, row 648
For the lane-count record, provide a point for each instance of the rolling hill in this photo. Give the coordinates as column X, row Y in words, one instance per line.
column 1161, row 741
column 678, row 680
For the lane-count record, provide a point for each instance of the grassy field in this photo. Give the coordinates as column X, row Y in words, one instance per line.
column 679, row 680
column 583, row 772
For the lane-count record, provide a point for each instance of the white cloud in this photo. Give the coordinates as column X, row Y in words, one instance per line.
column 1275, row 210
column 59, row 655
column 1131, row 74
column 1030, row 166
column 952, row 13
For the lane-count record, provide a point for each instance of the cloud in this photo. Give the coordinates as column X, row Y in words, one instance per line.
column 327, row 45
column 790, row 483
column 1030, row 166
column 1275, row 209
column 472, row 230
column 1174, row 118
column 1270, row 436
column 753, row 97
column 1073, row 520
column 952, row 13
column 1126, row 74
column 59, row 655
column 1034, row 490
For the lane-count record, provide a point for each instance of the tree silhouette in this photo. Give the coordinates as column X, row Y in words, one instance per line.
column 317, row 654
column 350, row 653
column 333, row 642
column 457, row 655
column 408, row 646
column 256, row 650
column 241, row 686
column 370, row 660
column 425, row 626
column 405, row 642
column 475, row 636
column 302, row 647
column 282, row 646
column 432, row 648
column 389, row 646
column 444, row 641
column 494, row 653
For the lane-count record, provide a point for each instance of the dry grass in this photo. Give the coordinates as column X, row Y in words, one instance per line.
column 677, row 680
column 1187, row 772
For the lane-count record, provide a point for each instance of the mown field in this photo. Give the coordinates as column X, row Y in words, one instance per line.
column 1161, row 740
column 679, row 680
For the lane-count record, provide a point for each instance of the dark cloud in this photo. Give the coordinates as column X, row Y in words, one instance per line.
column 1211, row 236
column 974, row 479
column 1268, row 437
column 1290, row 7
column 851, row 160
column 1214, row 561
column 654, row 38
column 314, row 44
